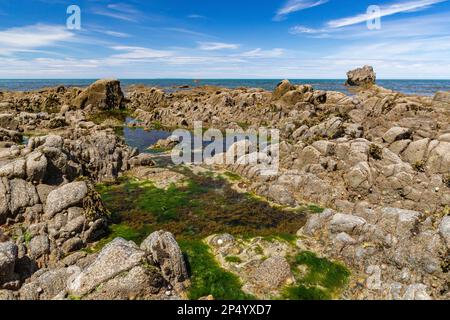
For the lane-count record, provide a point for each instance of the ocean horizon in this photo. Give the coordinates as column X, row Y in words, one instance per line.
column 427, row 87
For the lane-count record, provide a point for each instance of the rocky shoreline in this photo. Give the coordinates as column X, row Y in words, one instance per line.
column 378, row 160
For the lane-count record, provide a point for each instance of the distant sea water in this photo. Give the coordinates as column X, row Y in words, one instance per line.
column 419, row 87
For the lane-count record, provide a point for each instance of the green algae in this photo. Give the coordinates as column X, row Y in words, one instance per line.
column 207, row 277
column 233, row 259
column 207, row 204
column 203, row 206
column 323, row 280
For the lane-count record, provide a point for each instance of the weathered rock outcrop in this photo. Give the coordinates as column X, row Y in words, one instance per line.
column 397, row 253
column 102, row 95
column 120, row 271
column 361, row 76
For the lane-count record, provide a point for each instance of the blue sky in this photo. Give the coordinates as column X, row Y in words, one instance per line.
column 224, row 39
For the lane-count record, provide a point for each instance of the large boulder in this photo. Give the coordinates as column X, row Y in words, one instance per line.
column 120, row 271
column 102, row 95
column 167, row 254
column 282, row 88
column 361, row 76
column 64, row 197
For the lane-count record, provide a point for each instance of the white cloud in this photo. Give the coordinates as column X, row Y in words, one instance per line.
column 196, row 16
column 188, row 32
column 296, row 5
column 140, row 53
column 34, row 36
column 120, row 11
column 303, row 29
column 116, row 34
column 386, row 10
column 212, row 46
column 259, row 53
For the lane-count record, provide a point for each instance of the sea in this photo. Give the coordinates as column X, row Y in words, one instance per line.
column 419, row 87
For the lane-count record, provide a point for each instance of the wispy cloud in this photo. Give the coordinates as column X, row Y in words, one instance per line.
column 32, row 37
column 303, row 29
column 139, row 53
column 120, row 11
column 260, row 53
column 196, row 16
column 386, row 10
column 188, row 32
column 212, row 46
column 296, row 5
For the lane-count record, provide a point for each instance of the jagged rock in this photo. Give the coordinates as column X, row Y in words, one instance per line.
column 280, row 194
column 361, row 76
column 346, row 223
column 282, row 88
column 167, row 254
column 39, row 246
column 8, row 257
column 117, row 257
column 8, row 121
column 64, row 197
column 36, row 166
column 439, row 158
column 101, row 95
column 416, row 151
column 46, row 284
column 22, row 194
column 396, row 133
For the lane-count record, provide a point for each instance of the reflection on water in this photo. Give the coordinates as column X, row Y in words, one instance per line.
column 142, row 139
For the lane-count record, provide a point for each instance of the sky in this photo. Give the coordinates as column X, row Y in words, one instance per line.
column 296, row 39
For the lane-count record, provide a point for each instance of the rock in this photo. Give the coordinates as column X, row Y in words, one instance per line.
column 116, row 258
column 102, row 95
column 46, row 284
column 281, row 195
column 359, row 177
column 14, row 169
column 282, row 88
column 361, row 76
column 8, row 257
column 272, row 274
column 39, row 246
column 71, row 245
column 444, row 229
column 167, row 254
column 439, row 158
column 140, row 283
column 397, row 133
column 8, row 121
column 442, row 96
column 346, row 223
column 36, row 166
column 7, row 295
column 416, row 151
column 416, row 292
column 22, row 195
column 64, row 197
